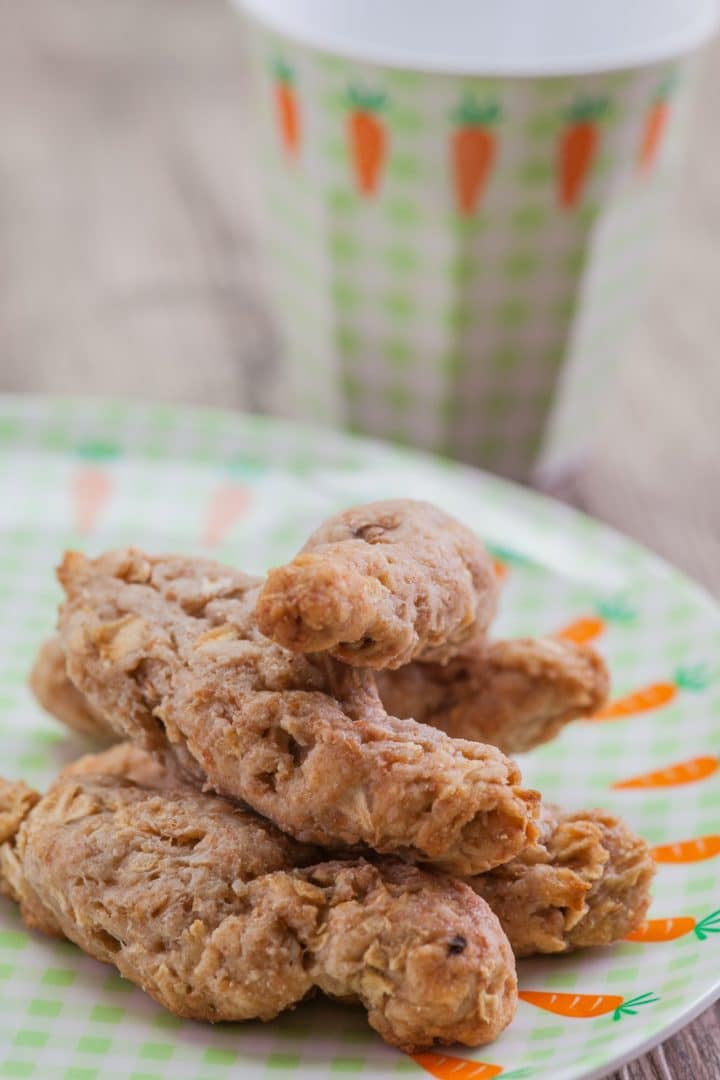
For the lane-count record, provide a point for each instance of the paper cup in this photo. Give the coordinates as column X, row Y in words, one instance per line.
column 458, row 224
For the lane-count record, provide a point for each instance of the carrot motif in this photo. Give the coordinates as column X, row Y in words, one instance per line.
column 500, row 569
column 685, row 772
column 688, row 851
column 287, row 108
column 577, row 149
column 91, row 489
column 92, row 485
column 504, row 558
column 367, row 139
column 656, row 122
column 654, row 696
column 445, row 1067
column 582, row 630
column 473, row 151
column 655, row 125
column 671, row 929
column 589, row 627
column 227, row 505
column 586, row 1006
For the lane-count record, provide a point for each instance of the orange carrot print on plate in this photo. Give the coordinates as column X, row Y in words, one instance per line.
column 445, row 1067
column 685, row 772
column 287, row 109
column 227, row 505
column 503, row 558
column 473, row 151
column 656, row 930
column 91, row 485
column 589, row 627
column 578, row 148
column 656, row 122
column 367, row 139
column 500, row 569
column 655, row 695
column 688, row 851
column 586, row 1006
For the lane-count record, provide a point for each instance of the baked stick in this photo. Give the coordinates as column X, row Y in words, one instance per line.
column 168, row 650
column 512, row 694
column 52, row 688
column 218, row 916
column 380, row 585
column 586, row 882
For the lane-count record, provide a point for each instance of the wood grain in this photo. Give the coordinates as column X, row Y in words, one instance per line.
column 126, row 217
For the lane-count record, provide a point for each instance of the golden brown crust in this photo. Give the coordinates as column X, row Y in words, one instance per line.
column 168, row 650
column 380, row 585
column 512, row 694
column 619, row 898
column 16, row 802
column 217, row 915
column 585, row 883
column 57, row 695
column 126, row 760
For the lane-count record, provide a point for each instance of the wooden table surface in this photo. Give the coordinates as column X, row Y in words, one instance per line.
column 126, row 230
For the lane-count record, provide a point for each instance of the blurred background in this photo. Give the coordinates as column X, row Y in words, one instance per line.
column 129, row 267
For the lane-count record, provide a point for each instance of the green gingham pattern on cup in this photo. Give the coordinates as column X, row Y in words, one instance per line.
column 248, row 490
column 413, row 310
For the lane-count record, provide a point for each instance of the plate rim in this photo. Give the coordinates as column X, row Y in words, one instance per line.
column 526, row 495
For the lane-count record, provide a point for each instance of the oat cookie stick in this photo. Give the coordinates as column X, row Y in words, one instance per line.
column 380, row 585
column 586, row 882
column 512, row 694
column 167, row 649
column 218, row 916
column 51, row 686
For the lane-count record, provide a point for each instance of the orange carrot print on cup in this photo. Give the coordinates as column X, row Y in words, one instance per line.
column 367, row 139
column 659, row 930
column 586, row 1006
column 655, row 695
column 474, row 146
column 684, row 772
column 287, row 108
column 655, row 125
column 578, row 149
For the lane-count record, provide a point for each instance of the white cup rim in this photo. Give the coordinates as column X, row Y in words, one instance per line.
column 495, row 37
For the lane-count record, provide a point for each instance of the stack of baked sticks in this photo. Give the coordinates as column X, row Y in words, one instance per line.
column 313, row 792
